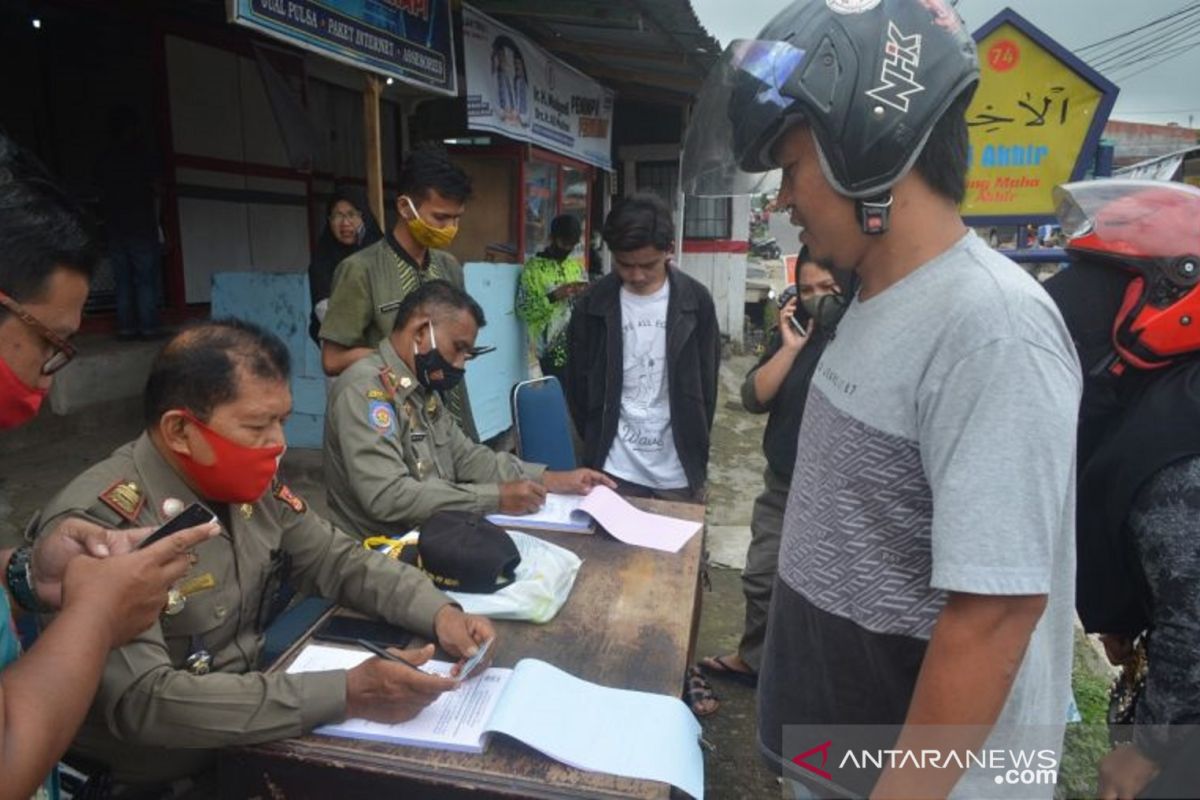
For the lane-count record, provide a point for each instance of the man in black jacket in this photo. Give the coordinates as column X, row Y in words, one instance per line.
column 641, row 373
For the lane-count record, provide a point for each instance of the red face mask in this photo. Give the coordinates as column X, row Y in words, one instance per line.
column 239, row 474
column 18, row 403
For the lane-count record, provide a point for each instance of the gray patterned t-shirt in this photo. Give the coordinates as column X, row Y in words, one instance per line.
column 937, row 454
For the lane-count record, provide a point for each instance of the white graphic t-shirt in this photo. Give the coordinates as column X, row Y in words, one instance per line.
column 644, row 448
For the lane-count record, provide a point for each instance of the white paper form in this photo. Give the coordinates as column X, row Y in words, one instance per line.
column 457, row 720
column 637, row 527
column 620, row 732
column 558, row 513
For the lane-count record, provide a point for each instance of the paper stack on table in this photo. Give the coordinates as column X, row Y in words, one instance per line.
column 620, row 732
column 558, row 514
column 614, row 513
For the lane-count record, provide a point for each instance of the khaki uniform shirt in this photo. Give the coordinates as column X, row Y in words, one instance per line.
column 368, row 286
column 153, row 719
column 394, row 455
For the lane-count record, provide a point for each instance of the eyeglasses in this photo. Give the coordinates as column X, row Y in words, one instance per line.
column 63, row 350
column 346, row 216
column 471, row 353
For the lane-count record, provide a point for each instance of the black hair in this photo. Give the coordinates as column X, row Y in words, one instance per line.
column 198, row 368
column 943, row 161
column 428, row 166
column 566, row 228
column 640, row 220
column 41, row 228
column 437, row 295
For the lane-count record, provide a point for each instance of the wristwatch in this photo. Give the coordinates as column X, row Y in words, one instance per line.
column 20, row 582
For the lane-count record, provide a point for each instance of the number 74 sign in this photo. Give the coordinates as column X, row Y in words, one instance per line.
column 1035, row 122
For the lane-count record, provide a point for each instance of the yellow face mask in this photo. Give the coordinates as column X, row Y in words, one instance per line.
column 425, row 234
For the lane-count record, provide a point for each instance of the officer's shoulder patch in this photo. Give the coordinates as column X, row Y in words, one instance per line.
column 125, row 498
column 376, row 394
column 290, row 498
column 382, row 417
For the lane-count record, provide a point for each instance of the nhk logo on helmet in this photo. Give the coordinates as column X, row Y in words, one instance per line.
column 898, row 76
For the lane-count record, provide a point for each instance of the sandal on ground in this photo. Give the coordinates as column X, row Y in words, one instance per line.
column 719, row 667
column 696, row 691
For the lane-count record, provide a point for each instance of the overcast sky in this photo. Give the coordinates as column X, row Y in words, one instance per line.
column 1164, row 93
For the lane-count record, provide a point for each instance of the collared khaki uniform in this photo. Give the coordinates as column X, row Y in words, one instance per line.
column 367, row 288
column 152, row 719
column 394, row 456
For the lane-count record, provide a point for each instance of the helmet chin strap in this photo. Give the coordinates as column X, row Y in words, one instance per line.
column 875, row 213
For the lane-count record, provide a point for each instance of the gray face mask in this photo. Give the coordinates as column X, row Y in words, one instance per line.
column 824, row 309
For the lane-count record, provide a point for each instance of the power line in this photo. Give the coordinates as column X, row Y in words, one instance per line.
column 1173, row 54
column 1152, row 22
column 1155, row 41
column 1147, row 37
column 1178, row 48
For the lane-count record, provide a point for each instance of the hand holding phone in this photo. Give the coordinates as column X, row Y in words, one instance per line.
column 474, row 661
column 190, row 517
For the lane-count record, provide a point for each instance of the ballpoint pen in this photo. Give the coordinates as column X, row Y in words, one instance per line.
column 386, row 656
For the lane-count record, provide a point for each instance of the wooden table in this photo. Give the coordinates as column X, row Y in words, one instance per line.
column 630, row 622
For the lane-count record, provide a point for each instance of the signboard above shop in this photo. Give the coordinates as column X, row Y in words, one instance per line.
column 1035, row 122
column 409, row 40
column 516, row 89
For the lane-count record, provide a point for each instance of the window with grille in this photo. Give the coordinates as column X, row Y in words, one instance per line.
column 707, row 218
column 703, row 217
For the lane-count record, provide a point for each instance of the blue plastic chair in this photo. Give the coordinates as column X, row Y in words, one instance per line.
column 543, row 425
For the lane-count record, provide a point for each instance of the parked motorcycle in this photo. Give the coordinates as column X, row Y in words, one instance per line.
column 765, row 248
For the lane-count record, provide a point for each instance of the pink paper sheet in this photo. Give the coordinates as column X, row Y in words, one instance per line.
column 636, row 527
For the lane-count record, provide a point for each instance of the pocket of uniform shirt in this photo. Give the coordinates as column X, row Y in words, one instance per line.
column 199, row 620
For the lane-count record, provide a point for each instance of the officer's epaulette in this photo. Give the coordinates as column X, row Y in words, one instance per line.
column 126, row 498
column 289, row 498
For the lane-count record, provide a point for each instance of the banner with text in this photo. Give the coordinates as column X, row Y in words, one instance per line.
column 516, row 89
column 1034, row 122
column 409, row 40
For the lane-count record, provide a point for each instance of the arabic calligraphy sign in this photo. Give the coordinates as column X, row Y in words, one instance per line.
column 1035, row 122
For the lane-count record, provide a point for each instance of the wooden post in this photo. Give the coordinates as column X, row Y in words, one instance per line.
column 371, row 93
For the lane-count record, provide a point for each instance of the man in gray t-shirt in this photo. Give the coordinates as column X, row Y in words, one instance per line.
column 926, row 566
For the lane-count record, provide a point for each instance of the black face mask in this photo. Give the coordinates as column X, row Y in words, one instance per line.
column 825, row 310
column 428, row 363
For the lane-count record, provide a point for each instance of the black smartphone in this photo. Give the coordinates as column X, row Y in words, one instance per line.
column 785, row 297
column 190, row 517
column 348, row 630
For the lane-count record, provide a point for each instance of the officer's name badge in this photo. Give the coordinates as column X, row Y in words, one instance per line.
column 125, row 498
column 381, row 417
column 200, row 583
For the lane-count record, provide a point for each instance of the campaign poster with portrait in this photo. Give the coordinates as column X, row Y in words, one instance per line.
column 516, row 89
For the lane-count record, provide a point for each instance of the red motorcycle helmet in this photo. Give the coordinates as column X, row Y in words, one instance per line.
column 1152, row 230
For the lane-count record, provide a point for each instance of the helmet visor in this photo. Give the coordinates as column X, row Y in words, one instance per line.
column 1143, row 219
column 740, row 112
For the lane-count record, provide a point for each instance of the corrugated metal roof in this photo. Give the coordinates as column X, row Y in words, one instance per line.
column 643, row 49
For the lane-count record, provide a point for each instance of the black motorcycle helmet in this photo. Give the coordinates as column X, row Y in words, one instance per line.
column 871, row 78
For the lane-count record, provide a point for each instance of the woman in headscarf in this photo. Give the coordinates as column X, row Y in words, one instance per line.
column 349, row 227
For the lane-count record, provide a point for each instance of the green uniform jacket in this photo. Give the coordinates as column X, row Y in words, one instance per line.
column 152, row 719
column 394, row 455
column 367, row 288
column 547, row 319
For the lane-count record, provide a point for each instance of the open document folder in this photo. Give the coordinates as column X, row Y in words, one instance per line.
column 585, row 725
column 613, row 512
